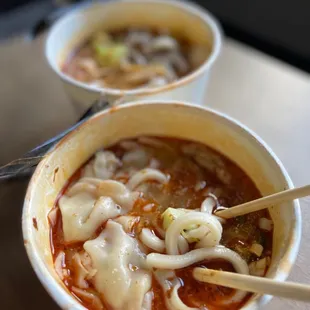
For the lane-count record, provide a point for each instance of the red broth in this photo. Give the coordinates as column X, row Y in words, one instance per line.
column 188, row 186
column 126, row 58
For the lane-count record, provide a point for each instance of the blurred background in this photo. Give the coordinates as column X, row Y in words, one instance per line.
column 279, row 28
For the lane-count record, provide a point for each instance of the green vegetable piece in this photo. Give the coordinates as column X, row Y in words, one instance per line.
column 170, row 215
column 100, row 39
column 107, row 52
column 243, row 252
column 110, row 55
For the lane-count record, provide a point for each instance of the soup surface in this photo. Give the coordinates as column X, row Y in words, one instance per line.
column 131, row 58
column 133, row 222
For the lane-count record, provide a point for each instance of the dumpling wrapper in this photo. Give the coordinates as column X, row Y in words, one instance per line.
column 82, row 214
column 112, row 253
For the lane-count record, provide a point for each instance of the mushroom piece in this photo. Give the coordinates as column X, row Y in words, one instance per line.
column 163, row 43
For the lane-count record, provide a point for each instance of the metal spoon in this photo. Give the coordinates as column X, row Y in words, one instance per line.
column 25, row 165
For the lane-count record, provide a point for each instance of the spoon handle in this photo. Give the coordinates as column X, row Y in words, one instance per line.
column 24, row 166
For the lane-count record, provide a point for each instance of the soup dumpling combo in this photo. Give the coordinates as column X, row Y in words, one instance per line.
column 129, row 58
column 134, row 221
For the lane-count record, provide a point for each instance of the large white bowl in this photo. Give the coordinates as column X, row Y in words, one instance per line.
column 172, row 119
column 191, row 20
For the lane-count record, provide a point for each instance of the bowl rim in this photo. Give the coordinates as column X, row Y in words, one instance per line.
column 190, row 8
column 64, row 299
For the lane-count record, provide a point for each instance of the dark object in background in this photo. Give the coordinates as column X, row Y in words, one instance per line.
column 7, row 5
column 45, row 22
column 277, row 27
column 24, row 166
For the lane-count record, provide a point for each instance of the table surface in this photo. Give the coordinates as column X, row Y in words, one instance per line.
column 268, row 96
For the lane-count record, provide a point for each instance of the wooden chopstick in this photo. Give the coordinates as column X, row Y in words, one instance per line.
column 254, row 284
column 264, row 202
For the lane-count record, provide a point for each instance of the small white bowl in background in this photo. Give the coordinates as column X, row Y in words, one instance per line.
column 193, row 21
column 171, row 119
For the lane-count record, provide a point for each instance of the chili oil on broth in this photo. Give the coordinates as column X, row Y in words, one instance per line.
column 129, row 58
column 188, row 186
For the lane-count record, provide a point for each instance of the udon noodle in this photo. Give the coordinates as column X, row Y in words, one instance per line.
column 133, row 222
column 131, row 58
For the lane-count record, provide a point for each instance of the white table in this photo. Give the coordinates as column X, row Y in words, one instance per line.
column 268, row 96
column 273, row 99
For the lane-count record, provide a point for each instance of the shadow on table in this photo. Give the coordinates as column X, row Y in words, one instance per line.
column 19, row 286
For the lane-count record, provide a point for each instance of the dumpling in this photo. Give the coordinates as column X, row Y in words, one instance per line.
column 208, row 159
column 137, row 158
column 145, row 175
column 127, row 222
column 119, row 262
column 118, row 192
column 103, row 166
column 82, row 214
column 109, row 188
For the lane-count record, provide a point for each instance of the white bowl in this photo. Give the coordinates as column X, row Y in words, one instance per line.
column 195, row 22
column 167, row 118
